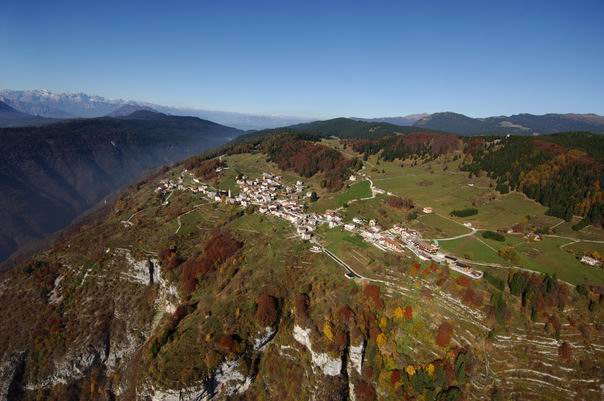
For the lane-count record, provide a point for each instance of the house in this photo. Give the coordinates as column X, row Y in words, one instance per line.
column 352, row 178
column 332, row 224
column 427, row 210
column 357, row 220
column 588, row 260
column 426, row 247
column 349, row 227
column 306, row 236
column 533, row 236
column 467, row 224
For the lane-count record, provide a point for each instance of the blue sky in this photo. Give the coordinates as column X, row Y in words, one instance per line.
column 314, row 58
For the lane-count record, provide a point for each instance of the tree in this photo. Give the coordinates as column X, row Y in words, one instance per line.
column 443, row 334
column 564, row 351
column 266, row 310
column 372, row 292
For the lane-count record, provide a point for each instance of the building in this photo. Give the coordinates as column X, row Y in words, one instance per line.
column 427, row 210
column 349, row 227
column 588, row 260
column 426, row 247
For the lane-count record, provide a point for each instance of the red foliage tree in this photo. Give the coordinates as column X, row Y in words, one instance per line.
column 470, row 297
column 345, row 314
column 365, row 391
column 395, row 376
column 301, row 304
column 564, row 351
column 228, row 343
column 408, row 312
column 443, row 334
column 463, row 281
column 220, row 247
column 372, row 292
column 266, row 310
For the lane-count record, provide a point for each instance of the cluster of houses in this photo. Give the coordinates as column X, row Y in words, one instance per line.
column 270, row 196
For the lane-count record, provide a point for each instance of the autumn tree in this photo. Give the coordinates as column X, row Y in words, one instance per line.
column 266, row 310
column 443, row 334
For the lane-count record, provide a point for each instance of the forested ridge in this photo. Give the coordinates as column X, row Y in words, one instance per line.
column 297, row 152
column 562, row 172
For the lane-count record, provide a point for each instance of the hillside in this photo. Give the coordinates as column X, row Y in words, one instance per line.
column 206, row 281
column 51, row 174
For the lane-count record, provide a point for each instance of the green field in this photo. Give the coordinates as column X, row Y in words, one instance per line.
column 333, row 201
column 429, row 185
column 437, row 226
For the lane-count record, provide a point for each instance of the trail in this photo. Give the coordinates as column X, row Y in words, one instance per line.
column 185, row 213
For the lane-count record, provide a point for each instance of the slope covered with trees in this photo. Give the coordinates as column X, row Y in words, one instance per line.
column 563, row 172
column 49, row 175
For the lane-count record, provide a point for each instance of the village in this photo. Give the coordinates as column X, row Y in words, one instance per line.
column 269, row 195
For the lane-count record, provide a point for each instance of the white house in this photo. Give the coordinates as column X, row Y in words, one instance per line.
column 588, row 260
column 427, row 210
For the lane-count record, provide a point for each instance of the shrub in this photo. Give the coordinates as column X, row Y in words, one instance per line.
column 495, row 281
column 493, row 235
column 464, row 212
column 400, row 202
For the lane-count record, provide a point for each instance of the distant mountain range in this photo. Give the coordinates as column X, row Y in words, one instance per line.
column 49, row 175
column 48, row 104
column 71, row 105
column 10, row 117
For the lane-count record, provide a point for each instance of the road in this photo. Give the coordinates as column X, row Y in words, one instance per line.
column 351, row 272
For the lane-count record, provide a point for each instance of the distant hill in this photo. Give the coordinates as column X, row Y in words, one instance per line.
column 519, row 124
column 128, row 109
column 403, row 120
column 9, row 117
column 51, row 174
column 352, row 128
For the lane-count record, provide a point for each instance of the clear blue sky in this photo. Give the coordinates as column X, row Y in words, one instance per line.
column 314, row 58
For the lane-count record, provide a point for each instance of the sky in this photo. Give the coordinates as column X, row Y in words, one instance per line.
column 316, row 59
